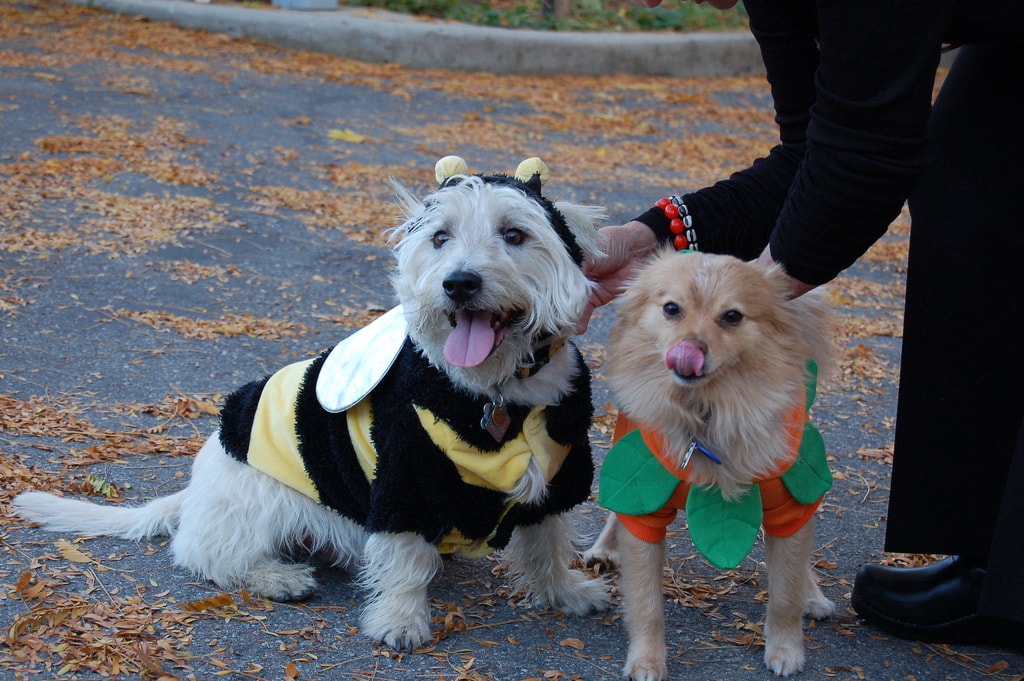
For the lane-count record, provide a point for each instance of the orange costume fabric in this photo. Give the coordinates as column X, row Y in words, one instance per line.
column 783, row 514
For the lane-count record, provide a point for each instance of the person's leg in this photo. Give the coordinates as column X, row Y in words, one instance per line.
column 1003, row 592
column 961, row 400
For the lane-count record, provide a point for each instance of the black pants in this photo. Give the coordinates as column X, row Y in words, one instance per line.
column 958, row 472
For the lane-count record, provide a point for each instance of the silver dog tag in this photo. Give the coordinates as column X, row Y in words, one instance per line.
column 496, row 419
column 357, row 364
column 688, row 455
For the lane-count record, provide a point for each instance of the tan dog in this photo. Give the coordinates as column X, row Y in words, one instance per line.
column 710, row 358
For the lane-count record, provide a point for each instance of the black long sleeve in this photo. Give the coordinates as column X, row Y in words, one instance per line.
column 852, row 86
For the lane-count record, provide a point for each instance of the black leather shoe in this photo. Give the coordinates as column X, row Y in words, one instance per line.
column 936, row 603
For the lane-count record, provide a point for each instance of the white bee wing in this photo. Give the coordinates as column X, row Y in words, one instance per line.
column 357, row 364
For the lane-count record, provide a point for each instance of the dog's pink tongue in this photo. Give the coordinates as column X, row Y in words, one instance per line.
column 686, row 359
column 471, row 341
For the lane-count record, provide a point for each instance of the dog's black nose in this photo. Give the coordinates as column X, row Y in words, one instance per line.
column 462, row 285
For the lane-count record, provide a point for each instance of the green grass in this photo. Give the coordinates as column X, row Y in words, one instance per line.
column 585, row 15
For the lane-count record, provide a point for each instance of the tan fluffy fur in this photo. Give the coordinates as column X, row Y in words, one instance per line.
column 754, row 370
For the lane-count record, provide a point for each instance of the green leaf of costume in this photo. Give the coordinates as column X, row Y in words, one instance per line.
column 723, row 531
column 633, row 481
column 811, row 383
column 809, row 477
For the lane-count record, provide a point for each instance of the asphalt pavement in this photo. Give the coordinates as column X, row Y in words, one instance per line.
column 183, row 210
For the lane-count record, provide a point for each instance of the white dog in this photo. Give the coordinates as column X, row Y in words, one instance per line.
column 457, row 422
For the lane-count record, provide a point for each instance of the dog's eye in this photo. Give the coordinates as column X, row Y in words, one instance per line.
column 732, row 317
column 513, row 237
column 671, row 310
column 440, row 239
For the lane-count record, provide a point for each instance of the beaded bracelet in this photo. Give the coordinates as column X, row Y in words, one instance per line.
column 680, row 222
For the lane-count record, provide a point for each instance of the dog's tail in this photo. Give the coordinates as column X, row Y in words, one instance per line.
column 158, row 517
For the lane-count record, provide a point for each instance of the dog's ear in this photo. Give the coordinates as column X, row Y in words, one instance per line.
column 583, row 222
column 779, row 284
column 412, row 211
column 809, row 318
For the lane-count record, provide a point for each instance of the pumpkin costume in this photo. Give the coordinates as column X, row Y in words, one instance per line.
column 641, row 482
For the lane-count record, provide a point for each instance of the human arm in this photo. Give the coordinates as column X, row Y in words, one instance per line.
column 866, row 132
column 852, row 100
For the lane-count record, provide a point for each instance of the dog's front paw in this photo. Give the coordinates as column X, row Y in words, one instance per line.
column 400, row 628
column 397, row 569
column 784, row 658
column 646, row 669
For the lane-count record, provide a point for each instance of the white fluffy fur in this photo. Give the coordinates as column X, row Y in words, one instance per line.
column 753, row 371
column 535, row 277
column 235, row 525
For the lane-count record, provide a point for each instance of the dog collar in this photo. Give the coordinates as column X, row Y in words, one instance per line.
column 696, row 446
column 541, row 357
column 495, row 419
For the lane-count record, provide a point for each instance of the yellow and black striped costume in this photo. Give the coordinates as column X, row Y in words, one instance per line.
column 412, row 457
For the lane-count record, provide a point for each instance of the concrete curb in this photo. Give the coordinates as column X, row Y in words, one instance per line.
column 385, row 37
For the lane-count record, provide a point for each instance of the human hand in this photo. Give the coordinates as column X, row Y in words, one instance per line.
column 625, row 248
